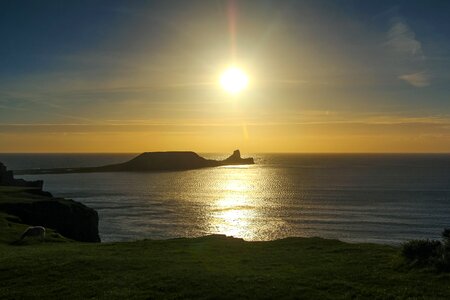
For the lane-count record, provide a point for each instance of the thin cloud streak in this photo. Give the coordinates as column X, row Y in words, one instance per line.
column 382, row 120
column 419, row 79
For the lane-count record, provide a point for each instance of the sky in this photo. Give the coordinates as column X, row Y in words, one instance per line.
column 133, row 76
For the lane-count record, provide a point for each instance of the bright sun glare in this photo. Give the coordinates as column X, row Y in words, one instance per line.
column 233, row 80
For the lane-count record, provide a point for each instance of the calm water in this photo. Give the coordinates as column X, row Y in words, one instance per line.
column 357, row 198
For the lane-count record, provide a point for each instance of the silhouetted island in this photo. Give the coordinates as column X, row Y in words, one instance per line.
column 153, row 161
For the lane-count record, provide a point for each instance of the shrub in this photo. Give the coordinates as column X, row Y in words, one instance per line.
column 421, row 251
column 429, row 253
column 446, row 237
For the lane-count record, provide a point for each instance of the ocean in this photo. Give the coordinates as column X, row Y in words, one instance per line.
column 376, row 198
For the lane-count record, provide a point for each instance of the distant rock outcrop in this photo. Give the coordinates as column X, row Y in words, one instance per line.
column 155, row 161
column 7, row 179
column 235, row 159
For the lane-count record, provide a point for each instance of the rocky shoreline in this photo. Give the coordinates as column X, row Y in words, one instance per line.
column 32, row 206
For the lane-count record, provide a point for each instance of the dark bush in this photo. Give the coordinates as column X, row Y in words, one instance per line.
column 446, row 236
column 421, row 251
column 429, row 253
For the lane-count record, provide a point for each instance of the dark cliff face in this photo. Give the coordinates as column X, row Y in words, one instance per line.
column 71, row 219
column 36, row 207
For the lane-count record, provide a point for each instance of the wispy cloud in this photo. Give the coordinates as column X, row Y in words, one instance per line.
column 315, row 118
column 419, row 79
column 402, row 39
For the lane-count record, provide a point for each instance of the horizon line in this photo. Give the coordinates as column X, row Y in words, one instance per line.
column 201, row 152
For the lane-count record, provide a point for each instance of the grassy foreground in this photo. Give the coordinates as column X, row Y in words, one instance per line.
column 212, row 267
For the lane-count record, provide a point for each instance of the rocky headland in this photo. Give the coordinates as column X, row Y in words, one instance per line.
column 7, row 179
column 153, row 162
column 32, row 206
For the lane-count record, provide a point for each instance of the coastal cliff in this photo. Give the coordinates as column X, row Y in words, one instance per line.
column 26, row 200
column 69, row 218
column 152, row 162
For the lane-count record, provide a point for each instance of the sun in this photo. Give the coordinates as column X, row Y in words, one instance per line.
column 233, row 80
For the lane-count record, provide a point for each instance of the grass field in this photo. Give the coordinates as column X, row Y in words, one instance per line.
column 214, row 267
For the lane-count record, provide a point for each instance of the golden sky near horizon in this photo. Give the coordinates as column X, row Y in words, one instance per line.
column 319, row 77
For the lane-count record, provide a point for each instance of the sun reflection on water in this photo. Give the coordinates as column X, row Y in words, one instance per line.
column 236, row 222
column 234, row 213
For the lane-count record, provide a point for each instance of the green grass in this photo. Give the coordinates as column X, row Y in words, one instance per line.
column 213, row 267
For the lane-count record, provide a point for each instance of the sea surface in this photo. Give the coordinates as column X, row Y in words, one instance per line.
column 356, row 198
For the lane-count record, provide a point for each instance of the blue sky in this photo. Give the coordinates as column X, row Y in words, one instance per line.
column 325, row 76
